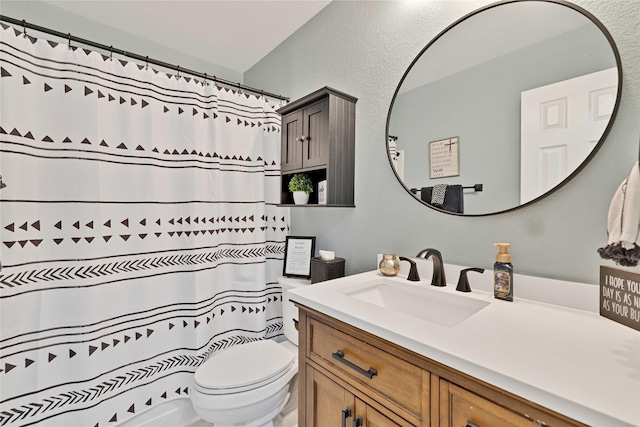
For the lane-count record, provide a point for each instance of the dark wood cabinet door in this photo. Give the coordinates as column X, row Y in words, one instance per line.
column 315, row 148
column 292, row 145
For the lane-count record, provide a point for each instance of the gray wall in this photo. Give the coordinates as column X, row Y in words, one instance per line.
column 363, row 48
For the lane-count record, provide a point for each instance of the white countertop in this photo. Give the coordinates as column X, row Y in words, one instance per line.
column 566, row 358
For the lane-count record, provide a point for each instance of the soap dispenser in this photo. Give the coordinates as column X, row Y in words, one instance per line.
column 503, row 273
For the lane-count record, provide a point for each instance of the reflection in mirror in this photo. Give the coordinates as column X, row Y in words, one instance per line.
column 521, row 92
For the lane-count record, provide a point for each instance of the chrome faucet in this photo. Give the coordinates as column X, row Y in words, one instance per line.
column 438, row 278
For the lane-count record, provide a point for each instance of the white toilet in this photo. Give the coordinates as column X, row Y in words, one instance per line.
column 248, row 385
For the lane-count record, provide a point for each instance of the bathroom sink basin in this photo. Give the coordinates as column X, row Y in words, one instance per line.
column 434, row 306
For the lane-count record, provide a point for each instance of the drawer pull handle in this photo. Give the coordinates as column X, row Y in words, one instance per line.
column 470, row 424
column 346, row 413
column 357, row 422
column 339, row 355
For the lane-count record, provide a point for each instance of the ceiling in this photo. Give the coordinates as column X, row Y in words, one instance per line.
column 235, row 34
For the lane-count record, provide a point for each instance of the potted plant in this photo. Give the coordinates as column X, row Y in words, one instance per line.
column 301, row 186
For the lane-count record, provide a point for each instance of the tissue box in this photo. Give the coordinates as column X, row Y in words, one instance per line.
column 322, row 270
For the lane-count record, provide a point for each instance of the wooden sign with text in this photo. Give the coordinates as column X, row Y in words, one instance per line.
column 620, row 296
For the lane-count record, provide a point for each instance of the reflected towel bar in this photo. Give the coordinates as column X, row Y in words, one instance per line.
column 476, row 187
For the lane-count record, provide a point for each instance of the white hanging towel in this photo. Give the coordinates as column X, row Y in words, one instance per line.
column 623, row 225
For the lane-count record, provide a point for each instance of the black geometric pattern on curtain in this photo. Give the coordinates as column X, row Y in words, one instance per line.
column 140, row 232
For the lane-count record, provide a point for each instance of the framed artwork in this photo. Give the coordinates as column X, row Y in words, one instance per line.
column 444, row 158
column 298, row 251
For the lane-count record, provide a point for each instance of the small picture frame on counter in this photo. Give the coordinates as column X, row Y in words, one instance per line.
column 298, row 251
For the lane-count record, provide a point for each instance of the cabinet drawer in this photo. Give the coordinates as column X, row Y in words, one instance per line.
column 469, row 409
column 395, row 379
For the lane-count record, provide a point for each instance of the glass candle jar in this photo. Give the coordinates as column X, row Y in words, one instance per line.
column 389, row 265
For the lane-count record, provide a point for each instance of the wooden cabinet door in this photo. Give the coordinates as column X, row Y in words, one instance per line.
column 328, row 404
column 315, row 147
column 291, row 156
column 469, row 409
column 368, row 416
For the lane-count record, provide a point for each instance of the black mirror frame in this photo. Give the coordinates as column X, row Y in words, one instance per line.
column 584, row 163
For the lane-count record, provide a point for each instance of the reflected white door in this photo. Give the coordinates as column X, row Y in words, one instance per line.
column 560, row 124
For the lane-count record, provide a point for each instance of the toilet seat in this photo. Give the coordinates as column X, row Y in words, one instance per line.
column 243, row 368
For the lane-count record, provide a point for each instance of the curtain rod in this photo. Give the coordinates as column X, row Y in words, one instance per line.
column 145, row 59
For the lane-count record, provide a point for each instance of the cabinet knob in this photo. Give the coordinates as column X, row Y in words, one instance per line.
column 304, row 138
column 357, row 422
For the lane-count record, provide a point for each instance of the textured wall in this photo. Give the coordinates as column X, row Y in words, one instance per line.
column 363, row 48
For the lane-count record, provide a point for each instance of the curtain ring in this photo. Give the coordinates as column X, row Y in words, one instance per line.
column 178, row 69
column 204, row 83
column 111, row 53
column 69, row 36
column 24, row 28
column 146, row 63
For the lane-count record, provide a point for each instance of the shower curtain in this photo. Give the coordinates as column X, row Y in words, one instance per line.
column 140, row 231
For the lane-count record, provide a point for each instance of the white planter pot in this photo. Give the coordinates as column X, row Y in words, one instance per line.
column 300, row 197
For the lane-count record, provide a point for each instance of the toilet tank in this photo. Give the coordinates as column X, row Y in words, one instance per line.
column 289, row 310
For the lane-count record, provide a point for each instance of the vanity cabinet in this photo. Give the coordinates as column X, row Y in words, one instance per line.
column 350, row 377
column 318, row 138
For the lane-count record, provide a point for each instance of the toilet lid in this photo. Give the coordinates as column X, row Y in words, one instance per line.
column 244, row 365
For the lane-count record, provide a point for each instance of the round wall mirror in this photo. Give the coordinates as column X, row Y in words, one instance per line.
column 504, row 107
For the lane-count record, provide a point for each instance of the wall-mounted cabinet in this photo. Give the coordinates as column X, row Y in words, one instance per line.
column 318, row 138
